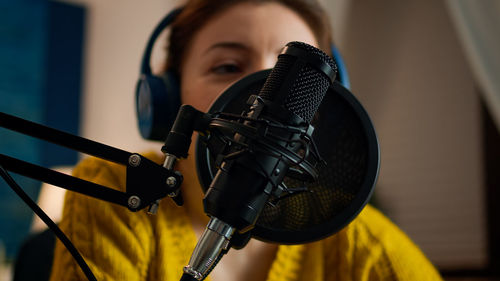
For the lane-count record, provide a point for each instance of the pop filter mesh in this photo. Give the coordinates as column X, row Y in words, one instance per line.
column 345, row 139
column 341, row 143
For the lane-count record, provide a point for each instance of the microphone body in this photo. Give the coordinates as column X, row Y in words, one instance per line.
column 252, row 169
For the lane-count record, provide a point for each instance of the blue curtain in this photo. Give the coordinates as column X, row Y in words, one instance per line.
column 40, row 76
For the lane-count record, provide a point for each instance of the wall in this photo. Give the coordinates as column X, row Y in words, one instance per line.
column 40, row 70
column 117, row 32
column 408, row 69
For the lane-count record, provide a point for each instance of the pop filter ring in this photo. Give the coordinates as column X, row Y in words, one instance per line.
column 238, row 93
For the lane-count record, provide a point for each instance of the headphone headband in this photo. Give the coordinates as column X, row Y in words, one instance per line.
column 166, row 21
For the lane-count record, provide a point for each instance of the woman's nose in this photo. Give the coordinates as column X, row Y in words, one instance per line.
column 266, row 62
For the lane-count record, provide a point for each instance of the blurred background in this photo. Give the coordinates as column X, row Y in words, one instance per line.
column 426, row 71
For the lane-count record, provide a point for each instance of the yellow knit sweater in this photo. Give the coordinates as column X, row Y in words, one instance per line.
column 121, row 245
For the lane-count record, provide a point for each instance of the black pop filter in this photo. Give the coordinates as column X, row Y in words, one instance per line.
column 345, row 139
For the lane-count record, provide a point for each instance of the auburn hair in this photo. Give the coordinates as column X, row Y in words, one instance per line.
column 197, row 13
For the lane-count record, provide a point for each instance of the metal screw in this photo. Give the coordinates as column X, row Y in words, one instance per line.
column 277, row 172
column 134, row 202
column 171, row 181
column 153, row 208
column 173, row 193
column 134, row 160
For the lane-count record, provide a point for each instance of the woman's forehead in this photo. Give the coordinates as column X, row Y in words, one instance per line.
column 270, row 25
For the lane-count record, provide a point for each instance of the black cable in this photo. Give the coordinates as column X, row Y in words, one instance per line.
column 53, row 226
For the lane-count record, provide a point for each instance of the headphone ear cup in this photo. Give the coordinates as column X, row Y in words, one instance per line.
column 157, row 103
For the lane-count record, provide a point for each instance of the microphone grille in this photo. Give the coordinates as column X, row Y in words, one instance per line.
column 315, row 51
column 307, row 93
column 277, row 77
column 300, row 79
column 309, row 88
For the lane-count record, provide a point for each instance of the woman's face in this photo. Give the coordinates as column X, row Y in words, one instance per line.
column 241, row 40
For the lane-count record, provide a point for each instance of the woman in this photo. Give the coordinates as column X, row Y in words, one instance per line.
column 213, row 44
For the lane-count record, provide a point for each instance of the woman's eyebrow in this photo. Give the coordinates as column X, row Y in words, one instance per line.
column 227, row 45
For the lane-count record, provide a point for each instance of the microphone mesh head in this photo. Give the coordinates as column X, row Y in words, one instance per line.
column 307, row 93
column 302, row 90
column 317, row 52
column 277, row 77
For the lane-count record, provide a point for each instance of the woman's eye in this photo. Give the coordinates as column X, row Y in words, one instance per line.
column 227, row 68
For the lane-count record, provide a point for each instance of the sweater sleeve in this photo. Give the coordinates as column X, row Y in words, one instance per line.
column 116, row 244
column 373, row 248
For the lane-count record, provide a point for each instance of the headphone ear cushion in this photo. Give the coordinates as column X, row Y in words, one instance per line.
column 157, row 103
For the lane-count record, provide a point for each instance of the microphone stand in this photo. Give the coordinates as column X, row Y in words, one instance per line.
column 146, row 181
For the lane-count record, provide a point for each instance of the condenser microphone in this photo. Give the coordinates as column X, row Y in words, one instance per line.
column 272, row 135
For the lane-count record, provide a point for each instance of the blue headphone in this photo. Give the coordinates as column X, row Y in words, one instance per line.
column 158, row 97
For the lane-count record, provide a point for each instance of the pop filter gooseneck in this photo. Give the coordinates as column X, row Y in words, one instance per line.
column 347, row 142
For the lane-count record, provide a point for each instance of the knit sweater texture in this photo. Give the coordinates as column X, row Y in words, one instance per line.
column 122, row 245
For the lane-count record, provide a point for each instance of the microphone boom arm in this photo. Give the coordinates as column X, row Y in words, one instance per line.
column 160, row 181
